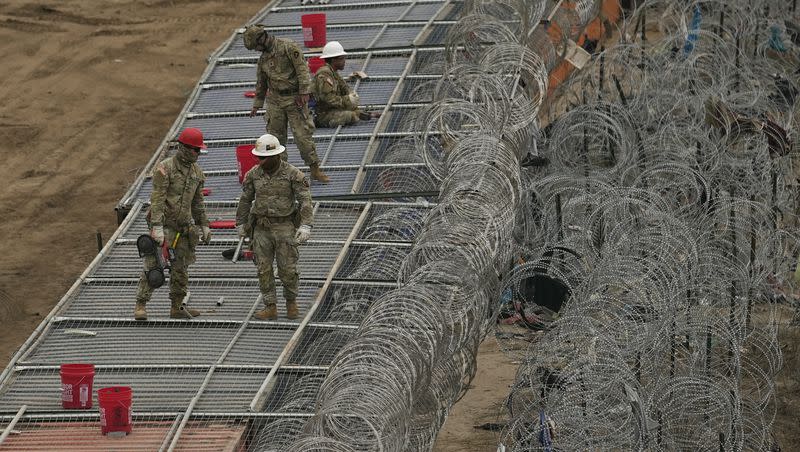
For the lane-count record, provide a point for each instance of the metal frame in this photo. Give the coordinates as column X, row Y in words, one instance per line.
column 238, row 327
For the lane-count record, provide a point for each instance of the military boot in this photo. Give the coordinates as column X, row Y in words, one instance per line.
column 291, row 310
column 317, row 174
column 140, row 313
column 269, row 313
column 178, row 311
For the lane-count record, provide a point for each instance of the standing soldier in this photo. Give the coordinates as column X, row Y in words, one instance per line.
column 283, row 80
column 337, row 105
column 175, row 203
column 275, row 201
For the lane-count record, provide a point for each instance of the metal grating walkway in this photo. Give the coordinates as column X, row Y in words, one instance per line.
column 198, row 384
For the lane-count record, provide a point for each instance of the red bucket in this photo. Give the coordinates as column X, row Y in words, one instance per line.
column 314, row 34
column 76, row 385
column 245, row 159
column 314, row 63
column 115, row 409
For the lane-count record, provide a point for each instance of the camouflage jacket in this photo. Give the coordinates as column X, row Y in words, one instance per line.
column 177, row 196
column 281, row 69
column 331, row 91
column 274, row 195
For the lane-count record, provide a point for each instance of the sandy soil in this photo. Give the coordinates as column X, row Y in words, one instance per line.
column 481, row 405
column 89, row 89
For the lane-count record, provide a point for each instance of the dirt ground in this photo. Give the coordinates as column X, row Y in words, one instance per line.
column 89, row 89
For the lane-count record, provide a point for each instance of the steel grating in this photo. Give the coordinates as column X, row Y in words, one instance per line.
column 124, row 262
column 319, row 346
column 355, row 38
column 388, row 178
column 226, row 99
column 166, row 343
column 221, row 156
column 106, row 299
column 225, row 367
column 386, row 65
column 226, row 187
column 334, row 221
column 337, row 14
column 155, row 389
column 242, row 127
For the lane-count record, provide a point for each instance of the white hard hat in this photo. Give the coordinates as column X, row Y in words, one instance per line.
column 267, row 145
column 332, row 50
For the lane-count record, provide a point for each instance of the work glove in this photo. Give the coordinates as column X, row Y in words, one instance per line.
column 157, row 233
column 240, row 228
column 206, row 234
column 353, row 99
column 303, row 233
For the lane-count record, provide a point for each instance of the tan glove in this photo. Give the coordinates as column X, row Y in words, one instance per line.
column 206, row 234
column 303, row 234
column 353, row 97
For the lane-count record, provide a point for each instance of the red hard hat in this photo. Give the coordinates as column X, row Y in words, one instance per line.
column 192, row 137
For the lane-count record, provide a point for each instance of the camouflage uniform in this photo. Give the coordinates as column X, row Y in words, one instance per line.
column 175, row 203
column 331, row 92
column 268, row 205
column 283, row 71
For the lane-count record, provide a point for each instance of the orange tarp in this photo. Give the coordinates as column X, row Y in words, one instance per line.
column 609, row 11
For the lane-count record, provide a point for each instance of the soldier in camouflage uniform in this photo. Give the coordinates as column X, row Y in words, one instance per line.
column 337, row 105
column 275, row 201
column 176, row 206
column 283, row 80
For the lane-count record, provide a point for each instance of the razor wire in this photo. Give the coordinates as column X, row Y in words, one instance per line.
column 667, row 215
column 413, row 354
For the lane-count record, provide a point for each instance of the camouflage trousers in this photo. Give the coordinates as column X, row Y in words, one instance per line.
column 179, row 270
column 282, row 112
column 336, row 118
column 276, row 242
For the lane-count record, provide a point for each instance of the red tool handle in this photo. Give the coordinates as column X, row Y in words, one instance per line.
column 222, row 224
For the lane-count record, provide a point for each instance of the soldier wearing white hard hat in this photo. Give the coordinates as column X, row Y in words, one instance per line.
column 337, row 104
column 275, row 212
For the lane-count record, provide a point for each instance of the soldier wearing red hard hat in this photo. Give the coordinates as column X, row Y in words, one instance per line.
column 178, row 216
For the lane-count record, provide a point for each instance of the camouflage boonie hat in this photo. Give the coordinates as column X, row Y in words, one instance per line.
column 251, row 35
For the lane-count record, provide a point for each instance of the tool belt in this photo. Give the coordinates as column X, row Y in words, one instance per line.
column 266, row 222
